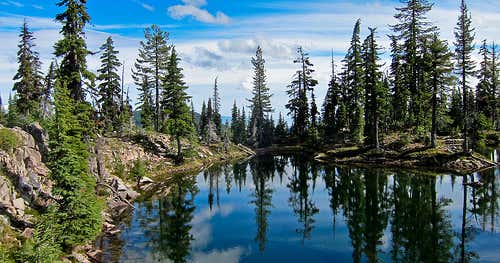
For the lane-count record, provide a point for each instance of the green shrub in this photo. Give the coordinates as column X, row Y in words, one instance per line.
column 119, row 169
column 8, row 140
column 138, row 171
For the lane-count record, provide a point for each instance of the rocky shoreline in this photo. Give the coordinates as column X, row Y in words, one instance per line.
column 25, row 186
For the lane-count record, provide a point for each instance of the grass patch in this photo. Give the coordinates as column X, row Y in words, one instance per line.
column 8, row 140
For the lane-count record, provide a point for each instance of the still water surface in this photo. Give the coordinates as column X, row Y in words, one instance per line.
column 287, row 209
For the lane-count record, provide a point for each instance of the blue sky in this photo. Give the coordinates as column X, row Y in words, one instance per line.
column 219, row 37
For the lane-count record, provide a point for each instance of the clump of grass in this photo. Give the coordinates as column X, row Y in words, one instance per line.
column 8, row 140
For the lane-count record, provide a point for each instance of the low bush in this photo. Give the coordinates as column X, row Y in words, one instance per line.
column 8, row 140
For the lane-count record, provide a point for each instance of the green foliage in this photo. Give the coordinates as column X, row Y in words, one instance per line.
column 179, row 123
column 28, row 85
column 298, row 105
column 119, row 168
column 260, row 102
column 149, row 70
column 8, row 140
column 79, row 209
column 72, row 48
column 138, row 171
column 109, row 89
column 44, row 247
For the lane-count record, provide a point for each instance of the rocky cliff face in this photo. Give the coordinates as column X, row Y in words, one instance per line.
column 24, row 178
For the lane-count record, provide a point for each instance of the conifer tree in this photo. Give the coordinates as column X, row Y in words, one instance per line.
column 484, row 85
column 72, row 48
column 375, row 90
column 78, row 209
column 28, row 79
column 193, row 116
column 79, row 212
column 48, row 88
column 440, row 78
column 411, row 29
column 400, row 94
column 179, row 122
column 243, row 126
column 456, row 111
column 144, row 104
column 261, row 100
column 2, row 112
column 494, row 84
column 203, row 120
column 281, row 130
column 235, row 124
column 464, row 46
column 217, row 118
column 151, row 64
column 332, row 102
column 354, row 82
column 109, row 87
column 297, row 91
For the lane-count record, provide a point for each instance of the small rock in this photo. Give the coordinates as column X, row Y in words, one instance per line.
column 19, row 205
column 28, row 232
column 146, row 180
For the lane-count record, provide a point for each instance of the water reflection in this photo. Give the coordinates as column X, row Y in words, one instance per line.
column 293, row 210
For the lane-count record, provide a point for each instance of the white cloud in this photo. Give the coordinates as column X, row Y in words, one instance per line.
column 148, row 7
column 192, row 8
column 11, row 3
column 231, row 255
column 39, row 7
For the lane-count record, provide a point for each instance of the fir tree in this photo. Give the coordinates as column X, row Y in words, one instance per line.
column 261, row 100
column 109, row 88
column 354, row 82
column 494, row 84
column 484, row 76
column 151, row 64
column 2, row 112
column 179, row 122
column 281, row 130
column 235, row 124
column 48, row 88
column 464, row 46
column 72, row 48
column 203, row 120
column 243, row 126
column 440, row 78
column 79, row 212
column 28, row 79
column 375, row 90
column 217, row 119
column 331, row 105
column 145, row 104
column 411, row 29
column 456, row 113
column 400, row 94
column 297, row 91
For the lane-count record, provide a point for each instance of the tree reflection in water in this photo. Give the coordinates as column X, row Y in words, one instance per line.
column 387, row 216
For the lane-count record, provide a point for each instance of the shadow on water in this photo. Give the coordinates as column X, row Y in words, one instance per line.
column 286, row 208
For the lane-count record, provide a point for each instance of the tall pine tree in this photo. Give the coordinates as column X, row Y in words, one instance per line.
column 440, row 78
column 28, row 79
column 179, row 122
column 72, row 48
column 260, row 102
column 354, row 82
column 375, row 90
column 109, row 89
column 151, row 67
column 464, row 46
column 412, row 28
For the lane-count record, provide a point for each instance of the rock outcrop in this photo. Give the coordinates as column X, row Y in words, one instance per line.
column 24, row 179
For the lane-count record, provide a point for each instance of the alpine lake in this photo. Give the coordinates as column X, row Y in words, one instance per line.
column 292, row 209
